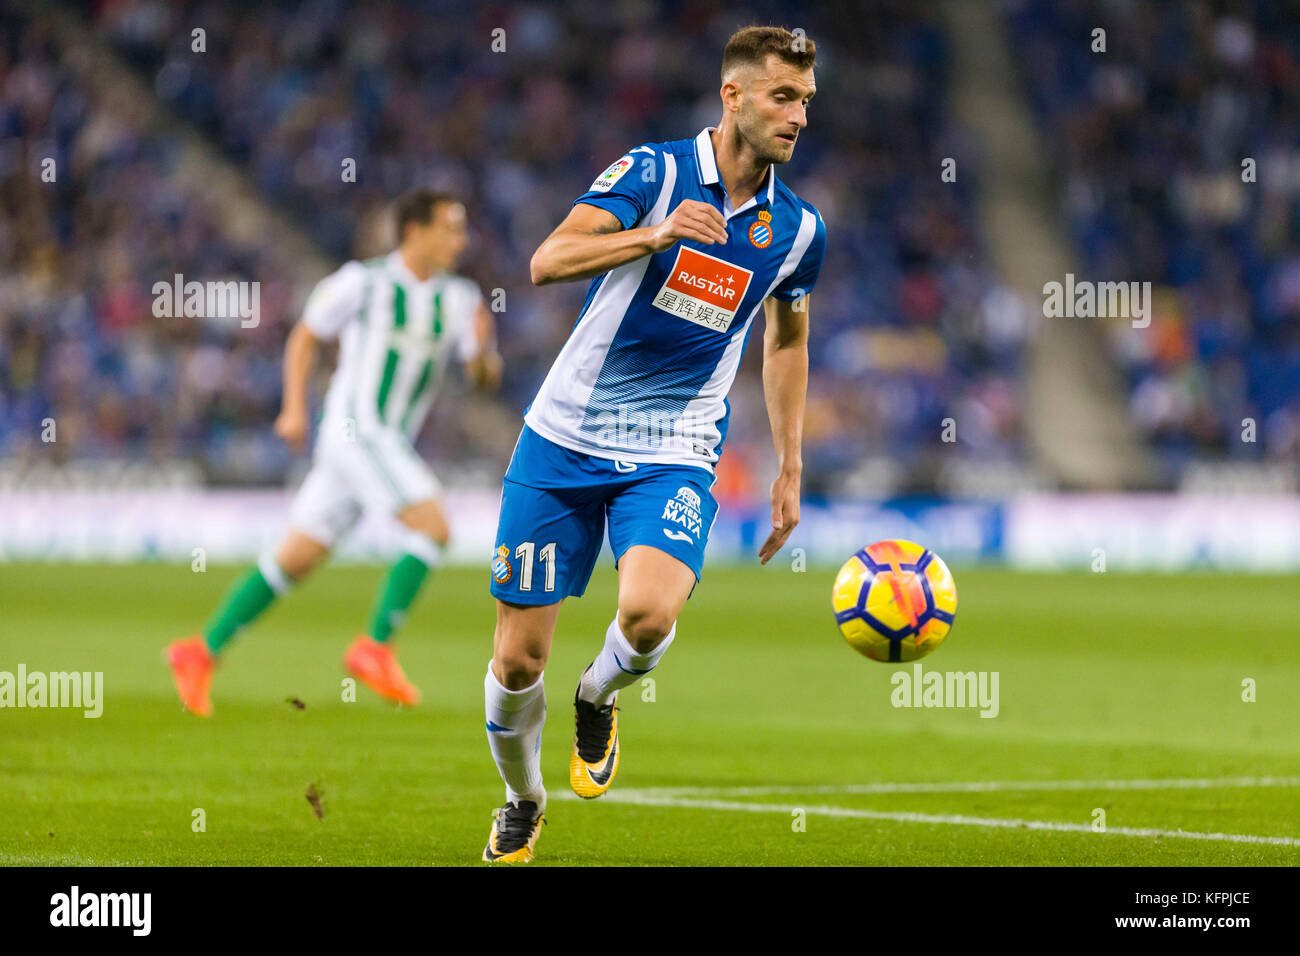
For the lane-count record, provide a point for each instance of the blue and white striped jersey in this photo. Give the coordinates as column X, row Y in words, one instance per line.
column 645, row 373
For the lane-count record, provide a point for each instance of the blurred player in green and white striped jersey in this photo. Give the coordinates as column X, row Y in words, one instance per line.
column 399, row 320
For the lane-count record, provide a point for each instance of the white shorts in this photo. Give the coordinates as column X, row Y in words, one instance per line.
column 378, row 472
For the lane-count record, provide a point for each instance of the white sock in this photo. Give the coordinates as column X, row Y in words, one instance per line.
column 517, row 746
column 421, row 546
column 618, row 665
column 274, row 575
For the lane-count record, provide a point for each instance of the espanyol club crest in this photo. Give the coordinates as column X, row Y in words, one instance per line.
column 501, row 569
column 760, row 233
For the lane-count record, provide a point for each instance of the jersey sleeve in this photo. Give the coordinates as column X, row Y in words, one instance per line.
column 335, row 301
column 628, row 187
column 467, row 344
column 801, row 281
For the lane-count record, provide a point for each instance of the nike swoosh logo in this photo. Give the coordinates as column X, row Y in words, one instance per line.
column 496, row 728
column 630, row 670
column 678, row 535
column 602, row 778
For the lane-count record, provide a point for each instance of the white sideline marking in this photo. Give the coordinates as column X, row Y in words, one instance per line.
column 691, row 798
column 649, row 800
column 974, row 786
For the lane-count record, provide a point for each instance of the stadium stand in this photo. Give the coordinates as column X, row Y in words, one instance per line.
column 1150, row 141
column 910, row 324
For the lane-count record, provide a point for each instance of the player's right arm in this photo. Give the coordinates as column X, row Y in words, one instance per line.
column 591, row 240
column 299, row 357
column 334, row 302
column 599, row 234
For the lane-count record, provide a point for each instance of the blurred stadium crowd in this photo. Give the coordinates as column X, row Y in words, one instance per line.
column 910, row 324
column 1149, row 141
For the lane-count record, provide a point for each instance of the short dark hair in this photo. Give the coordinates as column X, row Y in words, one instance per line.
column 753, row 44
column 419, row 206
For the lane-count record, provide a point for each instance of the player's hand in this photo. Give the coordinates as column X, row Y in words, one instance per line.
column 692, row 219
column 487, row 370
column 291, row 426
column 785, row 515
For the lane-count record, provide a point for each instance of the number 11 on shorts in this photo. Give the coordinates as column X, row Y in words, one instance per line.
column 524, row 553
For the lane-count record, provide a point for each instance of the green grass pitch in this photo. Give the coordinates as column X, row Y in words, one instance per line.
column 759, row 709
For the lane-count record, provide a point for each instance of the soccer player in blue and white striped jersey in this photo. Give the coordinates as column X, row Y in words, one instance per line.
column 685, row 242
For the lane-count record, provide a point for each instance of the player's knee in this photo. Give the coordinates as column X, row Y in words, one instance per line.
column 519, row 656
column 518, row 667
column 297, row 558
column 645, row 624
column 426, row 518
column 295, row 571
column 439, row 535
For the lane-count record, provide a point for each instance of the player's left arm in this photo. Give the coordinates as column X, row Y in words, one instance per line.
column 785, row 388
column 484, row 367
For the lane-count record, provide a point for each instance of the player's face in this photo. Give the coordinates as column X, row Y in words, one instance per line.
column 441, row 242
column 775, row 108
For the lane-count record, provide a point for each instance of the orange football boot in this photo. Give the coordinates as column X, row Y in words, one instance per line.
column 192, row 666
column 376, row 666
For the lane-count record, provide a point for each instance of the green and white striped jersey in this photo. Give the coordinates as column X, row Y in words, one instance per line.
column 396, row 335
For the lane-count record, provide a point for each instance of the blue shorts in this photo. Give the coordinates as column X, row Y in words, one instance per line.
column 555, row 504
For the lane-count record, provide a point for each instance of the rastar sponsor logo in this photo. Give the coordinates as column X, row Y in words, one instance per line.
column 703, row 289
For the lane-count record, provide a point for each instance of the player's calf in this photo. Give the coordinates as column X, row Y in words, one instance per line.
column 514, row 702
column 595, row 757
column 652, row 588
